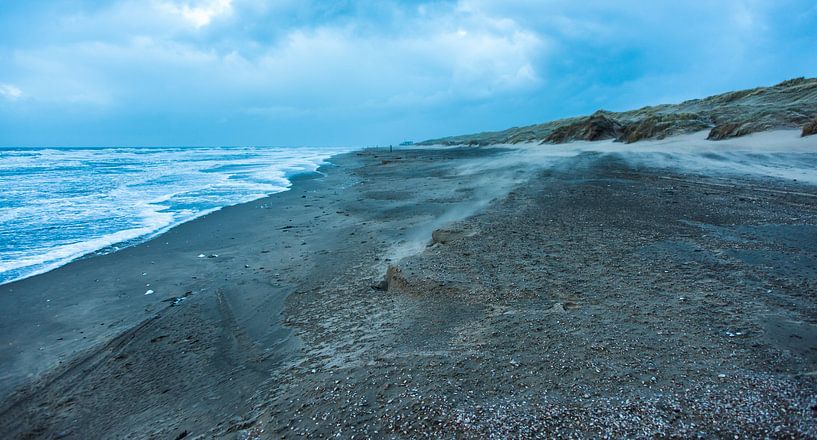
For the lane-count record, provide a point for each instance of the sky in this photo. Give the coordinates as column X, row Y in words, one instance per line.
column 362, row 73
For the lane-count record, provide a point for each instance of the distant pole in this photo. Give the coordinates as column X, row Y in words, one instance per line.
column 389, row 148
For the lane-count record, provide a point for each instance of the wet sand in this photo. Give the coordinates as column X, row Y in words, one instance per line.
column 594, row 297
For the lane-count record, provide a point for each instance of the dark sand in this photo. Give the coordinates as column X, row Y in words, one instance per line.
column 594, row 299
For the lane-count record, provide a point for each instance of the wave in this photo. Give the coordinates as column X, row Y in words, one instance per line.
column 57, row 205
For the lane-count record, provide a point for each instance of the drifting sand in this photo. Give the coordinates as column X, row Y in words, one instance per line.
column 573, row 292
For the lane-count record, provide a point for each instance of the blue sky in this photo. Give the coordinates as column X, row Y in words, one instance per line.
column 302, row 72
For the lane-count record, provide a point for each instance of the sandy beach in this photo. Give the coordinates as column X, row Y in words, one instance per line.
column 456, row 219
column 440, row 292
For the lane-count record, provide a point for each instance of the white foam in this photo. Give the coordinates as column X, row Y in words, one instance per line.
column 58, row 256
column 116, row 195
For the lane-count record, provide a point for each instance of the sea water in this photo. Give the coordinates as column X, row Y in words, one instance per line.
column 59, row 204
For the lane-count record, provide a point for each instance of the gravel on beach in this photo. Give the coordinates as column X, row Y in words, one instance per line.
column 415, row 294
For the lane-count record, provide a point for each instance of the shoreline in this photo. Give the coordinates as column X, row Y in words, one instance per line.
column 518, row 296
column 138, row 245
column 787, row 141
column 72, row 315
column 124, row 244
column 116, row 197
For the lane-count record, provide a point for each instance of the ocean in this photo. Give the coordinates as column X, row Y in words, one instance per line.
column 59, row 204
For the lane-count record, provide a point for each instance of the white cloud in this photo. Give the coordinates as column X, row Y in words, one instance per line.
column 446, row 54
column 198, row 14
column 438, row 59
column 10, row 92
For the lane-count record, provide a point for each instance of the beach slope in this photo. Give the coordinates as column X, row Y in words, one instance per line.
column 444, row 292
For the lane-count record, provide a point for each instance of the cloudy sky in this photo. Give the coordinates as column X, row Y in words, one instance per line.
column 304, row 72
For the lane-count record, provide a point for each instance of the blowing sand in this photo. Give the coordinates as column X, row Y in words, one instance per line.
column 577, row 294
